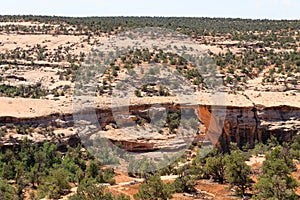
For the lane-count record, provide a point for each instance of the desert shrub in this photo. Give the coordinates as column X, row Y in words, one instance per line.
column 54, row 185
column 276, row 181
column 155, row 189
column 237, row 172
column 186, row 181
column 215, row 168
column 7, row 192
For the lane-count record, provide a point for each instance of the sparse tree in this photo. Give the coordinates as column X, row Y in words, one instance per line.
column 237, row 172
column 154, row 189
column 215, row 168
column 276, row 181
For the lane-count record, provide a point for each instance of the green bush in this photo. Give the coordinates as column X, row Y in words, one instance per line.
column 54, row 185
column 276, row 181
column 155, row 189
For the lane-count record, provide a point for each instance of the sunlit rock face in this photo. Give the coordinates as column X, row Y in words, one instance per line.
column 242, row 124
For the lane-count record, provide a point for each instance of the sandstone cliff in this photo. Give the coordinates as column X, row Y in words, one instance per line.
column 244, row 118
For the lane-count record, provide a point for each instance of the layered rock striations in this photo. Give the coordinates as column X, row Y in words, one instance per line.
column 244, row 119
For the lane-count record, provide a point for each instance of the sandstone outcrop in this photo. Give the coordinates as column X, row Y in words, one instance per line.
column 244, row 119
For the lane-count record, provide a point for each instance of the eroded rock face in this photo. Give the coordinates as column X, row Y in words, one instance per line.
column 281, row 121
column 243, row 125
column 258, row 123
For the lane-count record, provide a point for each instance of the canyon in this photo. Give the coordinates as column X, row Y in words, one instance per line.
column 243, row 118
